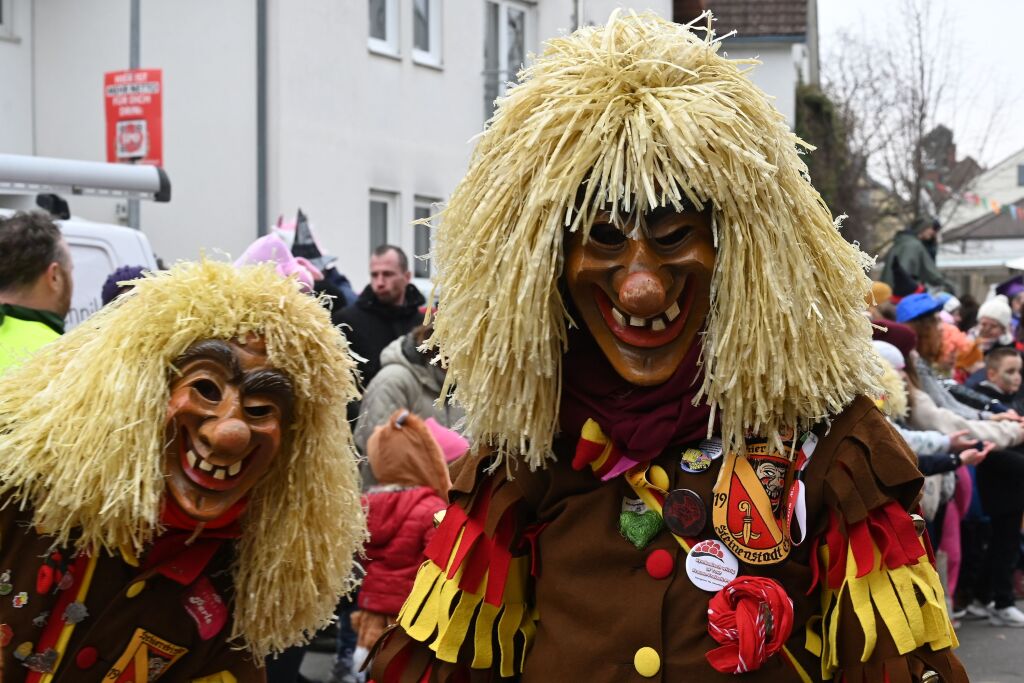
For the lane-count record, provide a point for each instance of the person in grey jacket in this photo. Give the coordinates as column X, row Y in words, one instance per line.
column 407, row 379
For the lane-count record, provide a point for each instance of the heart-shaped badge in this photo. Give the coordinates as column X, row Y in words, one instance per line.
column 640, row 528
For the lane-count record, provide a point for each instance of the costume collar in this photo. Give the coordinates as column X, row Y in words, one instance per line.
column 35, row 315
column 640, row 421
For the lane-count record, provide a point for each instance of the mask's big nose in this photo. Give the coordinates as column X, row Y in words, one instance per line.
column 642, row 294
column 230, row 437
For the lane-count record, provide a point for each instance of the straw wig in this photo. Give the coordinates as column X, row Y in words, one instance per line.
column 634, row 115
column 82, row 438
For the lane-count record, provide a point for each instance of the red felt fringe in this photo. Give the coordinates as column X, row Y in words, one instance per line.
column 889, row 528
column 477, row 554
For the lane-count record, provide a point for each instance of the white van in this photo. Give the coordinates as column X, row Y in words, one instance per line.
column 97, row 249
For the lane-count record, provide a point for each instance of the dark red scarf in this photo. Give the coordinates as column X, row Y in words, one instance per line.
column 641, row 421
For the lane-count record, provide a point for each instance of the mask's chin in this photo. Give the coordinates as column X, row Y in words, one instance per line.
column 202, row 490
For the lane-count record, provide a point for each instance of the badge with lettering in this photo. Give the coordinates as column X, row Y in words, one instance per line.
column 711, row 566
column 747, row 504
column 146, row 658
column 206, row 607
column 684, row 513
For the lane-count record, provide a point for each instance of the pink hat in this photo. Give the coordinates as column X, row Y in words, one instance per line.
column 452, row 444
column 272, row 248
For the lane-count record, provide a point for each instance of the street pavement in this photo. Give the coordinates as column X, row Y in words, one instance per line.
column 990, row 654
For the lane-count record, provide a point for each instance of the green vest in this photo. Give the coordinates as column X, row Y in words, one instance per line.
column 23, row 331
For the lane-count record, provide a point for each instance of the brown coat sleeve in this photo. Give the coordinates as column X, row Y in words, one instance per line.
column 883, row 604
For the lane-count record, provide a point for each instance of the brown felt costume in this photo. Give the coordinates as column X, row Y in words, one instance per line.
column 82, row 474
column 528, row 577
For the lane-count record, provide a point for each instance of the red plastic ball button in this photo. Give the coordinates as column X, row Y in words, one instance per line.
column 86, row 658
column 660, row 564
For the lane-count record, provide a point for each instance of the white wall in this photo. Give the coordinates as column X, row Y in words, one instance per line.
column 777, row 73
column 16, row 80
column 344, row 120
column 207, row 51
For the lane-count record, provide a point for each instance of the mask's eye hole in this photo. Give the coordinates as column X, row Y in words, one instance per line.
column 259, row 410
column 607, row 235
column 673, row 238
column 208, row 389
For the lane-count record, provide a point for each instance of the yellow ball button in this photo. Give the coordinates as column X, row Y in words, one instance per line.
column 135, row 589
column 647, row 662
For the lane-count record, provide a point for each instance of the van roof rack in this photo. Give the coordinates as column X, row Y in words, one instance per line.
column 21, row 174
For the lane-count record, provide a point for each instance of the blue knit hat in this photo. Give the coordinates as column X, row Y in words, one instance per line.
column 916, row 305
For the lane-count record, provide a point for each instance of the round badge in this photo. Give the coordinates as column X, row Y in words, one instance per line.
column 695, row 461
column 6, row 588
column 711, row 566
column 684, row 513
column 711, row 447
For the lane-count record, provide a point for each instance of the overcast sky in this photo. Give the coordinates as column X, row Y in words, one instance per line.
column 989, row 40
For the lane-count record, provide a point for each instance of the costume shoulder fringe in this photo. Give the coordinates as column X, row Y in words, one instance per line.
column 82, row 433
column 636, row 114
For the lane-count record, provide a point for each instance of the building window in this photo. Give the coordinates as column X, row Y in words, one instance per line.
column 383, row 36
column 421, row 237
column 383, row 214
column 1020, row 175
column 508, row 29
column 426, row 32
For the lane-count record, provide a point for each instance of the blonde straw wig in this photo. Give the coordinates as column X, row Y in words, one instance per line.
column 82, row 438
column 638, row 114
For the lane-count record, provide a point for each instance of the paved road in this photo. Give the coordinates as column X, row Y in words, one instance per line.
column 990, row 654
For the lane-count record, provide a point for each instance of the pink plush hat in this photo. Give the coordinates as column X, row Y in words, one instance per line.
column 452, row 444
column 273, row 248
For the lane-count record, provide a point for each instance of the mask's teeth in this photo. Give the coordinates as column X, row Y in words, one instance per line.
column 657, row 325
column 205, row 465
column 235, row 468
column 619, row 318
column 673, row 312
column 637, row 322
column 191, row 457
column 219, row 474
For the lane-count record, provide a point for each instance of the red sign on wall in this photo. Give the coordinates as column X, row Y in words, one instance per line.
column 134, row 116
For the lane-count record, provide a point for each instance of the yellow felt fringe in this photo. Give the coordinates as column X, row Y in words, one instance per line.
column 437, row 608
column 82, row 438
column 894, row 593
column 637, row 114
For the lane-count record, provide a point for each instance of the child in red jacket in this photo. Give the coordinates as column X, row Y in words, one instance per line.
column 409, row 458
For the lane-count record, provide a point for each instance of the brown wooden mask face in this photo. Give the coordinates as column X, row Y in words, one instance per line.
column 644, row 300
column 224, row 425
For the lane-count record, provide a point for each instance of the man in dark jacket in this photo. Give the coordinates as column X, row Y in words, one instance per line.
column 388, row 308
column 910, row 250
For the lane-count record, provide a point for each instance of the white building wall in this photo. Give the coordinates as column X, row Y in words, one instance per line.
column 208, row 56
column 344, row 121
column 777, row 72
column 16, row 78
column 998, row 183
